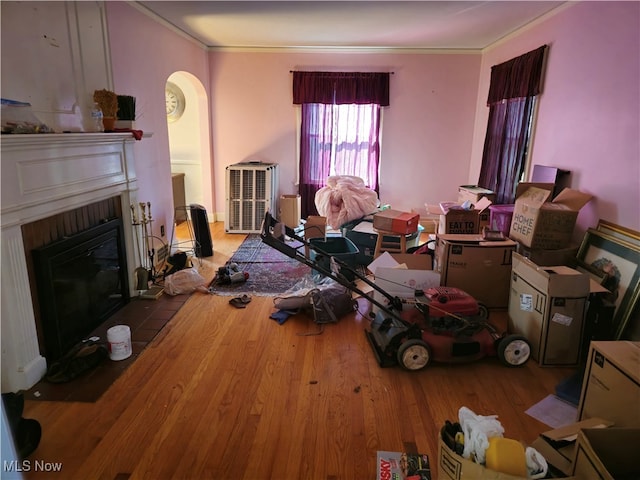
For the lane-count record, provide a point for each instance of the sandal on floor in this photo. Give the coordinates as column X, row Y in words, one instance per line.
column 237, row 302
column 245, row 298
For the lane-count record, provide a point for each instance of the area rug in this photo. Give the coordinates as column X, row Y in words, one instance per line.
column 270, row 271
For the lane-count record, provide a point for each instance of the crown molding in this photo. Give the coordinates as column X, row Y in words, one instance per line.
column 349, row 50
column 156, row 18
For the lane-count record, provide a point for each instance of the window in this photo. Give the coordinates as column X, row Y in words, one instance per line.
column 347, row 136
column 339, row 128
column 512, row 97
column 507, row 143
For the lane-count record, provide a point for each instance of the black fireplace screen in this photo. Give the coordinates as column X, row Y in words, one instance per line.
column 82, row 280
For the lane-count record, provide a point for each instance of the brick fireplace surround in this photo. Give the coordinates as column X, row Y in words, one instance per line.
column 44, row 175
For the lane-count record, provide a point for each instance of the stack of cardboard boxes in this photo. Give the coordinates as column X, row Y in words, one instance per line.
column 463, row 257
column 468, row 215
column 603, row 443
column 547, row 300
column 529, row 273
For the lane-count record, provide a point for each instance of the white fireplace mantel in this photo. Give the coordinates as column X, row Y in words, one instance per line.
column 43, row 175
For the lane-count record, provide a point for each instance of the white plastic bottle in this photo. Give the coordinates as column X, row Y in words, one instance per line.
column 96, row 119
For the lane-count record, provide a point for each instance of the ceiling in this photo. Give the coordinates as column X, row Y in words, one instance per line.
column 348, row 24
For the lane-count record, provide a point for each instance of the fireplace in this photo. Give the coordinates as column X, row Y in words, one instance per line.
column 81, row 281
column 45, row 176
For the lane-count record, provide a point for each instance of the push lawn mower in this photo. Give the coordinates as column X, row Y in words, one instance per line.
column 442, row 324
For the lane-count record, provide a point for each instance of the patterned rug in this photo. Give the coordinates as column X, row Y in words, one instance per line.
column 270, row 271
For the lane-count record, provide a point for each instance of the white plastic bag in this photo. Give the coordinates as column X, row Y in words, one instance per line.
column 477, row 429
column 536, row 463
column 184, row 281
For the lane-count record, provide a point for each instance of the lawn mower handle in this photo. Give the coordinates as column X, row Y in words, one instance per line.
column 273, row 233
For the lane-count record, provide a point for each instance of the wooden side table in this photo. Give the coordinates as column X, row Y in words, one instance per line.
column 398, row 245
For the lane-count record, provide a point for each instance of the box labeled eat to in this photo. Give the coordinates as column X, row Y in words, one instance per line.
column 396, row 221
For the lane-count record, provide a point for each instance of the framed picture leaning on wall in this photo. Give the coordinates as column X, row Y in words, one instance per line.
column 623, row 234
column 616, row 262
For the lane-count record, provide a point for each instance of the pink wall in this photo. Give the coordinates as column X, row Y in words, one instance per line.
column 143, row 55
column 588, row 118
column 427, row 130
column 589, row 112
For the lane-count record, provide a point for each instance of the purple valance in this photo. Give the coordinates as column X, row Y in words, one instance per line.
column 517, row 78
column 341, row 88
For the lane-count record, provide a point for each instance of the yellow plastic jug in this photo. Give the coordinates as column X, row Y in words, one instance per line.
column 507, row 456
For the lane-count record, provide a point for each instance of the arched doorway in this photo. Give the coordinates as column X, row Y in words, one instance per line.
column 189, row 139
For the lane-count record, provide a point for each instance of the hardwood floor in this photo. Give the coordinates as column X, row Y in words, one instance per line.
column 228, row 393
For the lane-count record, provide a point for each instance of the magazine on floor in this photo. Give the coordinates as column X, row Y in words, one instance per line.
column 403, row 466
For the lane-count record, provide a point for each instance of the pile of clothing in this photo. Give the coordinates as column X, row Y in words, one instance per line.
column 229, row 274
column 344, row 199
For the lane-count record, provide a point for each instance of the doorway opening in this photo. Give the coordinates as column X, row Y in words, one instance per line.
column 189, row 143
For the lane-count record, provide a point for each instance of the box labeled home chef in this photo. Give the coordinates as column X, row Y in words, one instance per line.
column 479, row 267
column 396, row 221
column 611, row 383
column 524, row 186
column 537, row 223
column 547, row 305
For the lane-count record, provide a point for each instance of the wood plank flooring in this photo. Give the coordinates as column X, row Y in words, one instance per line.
column 227, row 393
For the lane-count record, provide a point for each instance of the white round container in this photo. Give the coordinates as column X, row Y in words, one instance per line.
column 119, row 340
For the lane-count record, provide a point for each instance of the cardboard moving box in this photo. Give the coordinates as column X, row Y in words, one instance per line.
column 524, row 186
column 537, row 223
column 314, row 227
column 396, row 221
column 561, row 256
column 456, row 220
column 455, row 467
column 611, row 383
column 480, row 268
column 547, row 305
column 607, row 454
column 290, row 210
column 558, row 446
column 401, row 274
column 473, row 193
column 428, row 219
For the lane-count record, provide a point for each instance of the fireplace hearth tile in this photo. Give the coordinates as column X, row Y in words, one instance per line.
column 156, row 322
column 146, row 318
column 143, row 335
